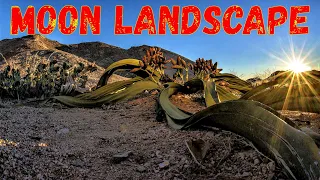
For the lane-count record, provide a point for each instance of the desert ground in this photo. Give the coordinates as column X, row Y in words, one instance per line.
column 122, row 141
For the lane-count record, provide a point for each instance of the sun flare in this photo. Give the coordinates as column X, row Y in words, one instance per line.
column 300, row 80
column 297, row 66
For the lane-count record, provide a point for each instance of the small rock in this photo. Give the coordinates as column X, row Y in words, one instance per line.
column 264, row 170
column 117, row 158
column 246, row 174
column 241, row 155
column 27, row 177
column 270, row 176
column 123, row 128
column 6, row 172
column 63, row 131
column 37, row 138
column 271, row 166
column 78, row 163
column 164, row 164
column 141, row 169
column 154, row 92
column 256, row 162
column 105, row 107
column 158, row 154
column 40, row 177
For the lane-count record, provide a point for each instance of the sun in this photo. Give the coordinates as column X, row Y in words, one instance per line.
column 297, row 66
column 294, row 58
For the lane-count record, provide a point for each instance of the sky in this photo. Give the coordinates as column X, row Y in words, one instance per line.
column 242, row 54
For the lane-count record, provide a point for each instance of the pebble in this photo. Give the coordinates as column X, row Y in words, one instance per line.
column 164, row 164
column 154, row 92
column 264, row 170
column 78, row 163
column 271, row 166
column 246, row 174
column 241, row 155
column 117, row 158
column 63, row 131
column 270, row 176
column 158, row 154
column 256, row 162
column 141, row 169
column 40, row 177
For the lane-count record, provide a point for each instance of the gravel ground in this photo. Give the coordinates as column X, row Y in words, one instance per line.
column 122, row 141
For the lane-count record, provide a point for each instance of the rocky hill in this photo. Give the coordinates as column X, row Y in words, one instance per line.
column 17, row 51
column 105, row 54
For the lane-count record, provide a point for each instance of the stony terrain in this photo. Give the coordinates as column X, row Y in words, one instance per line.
column 123, row 141
column 53, row 142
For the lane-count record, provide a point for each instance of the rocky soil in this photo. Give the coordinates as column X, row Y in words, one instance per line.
column 121, row 141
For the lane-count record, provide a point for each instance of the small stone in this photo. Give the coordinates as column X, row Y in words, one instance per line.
column 105, row 107
column 256, row 162
column 63, row 131
column 78, row 163
column 117, row 158
column 147, row 165
column 270, row 176
column 27, row 178
column 264, row 170
column 246, row 174
column 164, row 164
column 158, row 154
column 40, row 177
column 271, row 166
column 37, row 138
column 154, row 92
column 141, row 169
column 241, row 155
column 6, row 172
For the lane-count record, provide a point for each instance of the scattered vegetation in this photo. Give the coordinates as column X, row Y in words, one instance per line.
column 232, row 104
column 44, row 79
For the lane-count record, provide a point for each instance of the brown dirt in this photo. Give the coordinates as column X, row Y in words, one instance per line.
column 56, row 142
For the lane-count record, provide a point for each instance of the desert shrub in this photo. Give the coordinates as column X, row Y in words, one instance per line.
column 44, row 79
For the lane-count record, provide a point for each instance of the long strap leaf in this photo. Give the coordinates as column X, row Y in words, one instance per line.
column 126, row 64
column 211, row 94
column 276, row 137
column 108, row 89
column 130, row 92
column 288, row 146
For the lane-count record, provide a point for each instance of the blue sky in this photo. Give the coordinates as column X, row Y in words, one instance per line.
column 245, row 54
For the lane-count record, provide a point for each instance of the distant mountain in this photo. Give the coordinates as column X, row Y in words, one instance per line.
column 17, row 50
column 29, row 50
column 105, row 54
